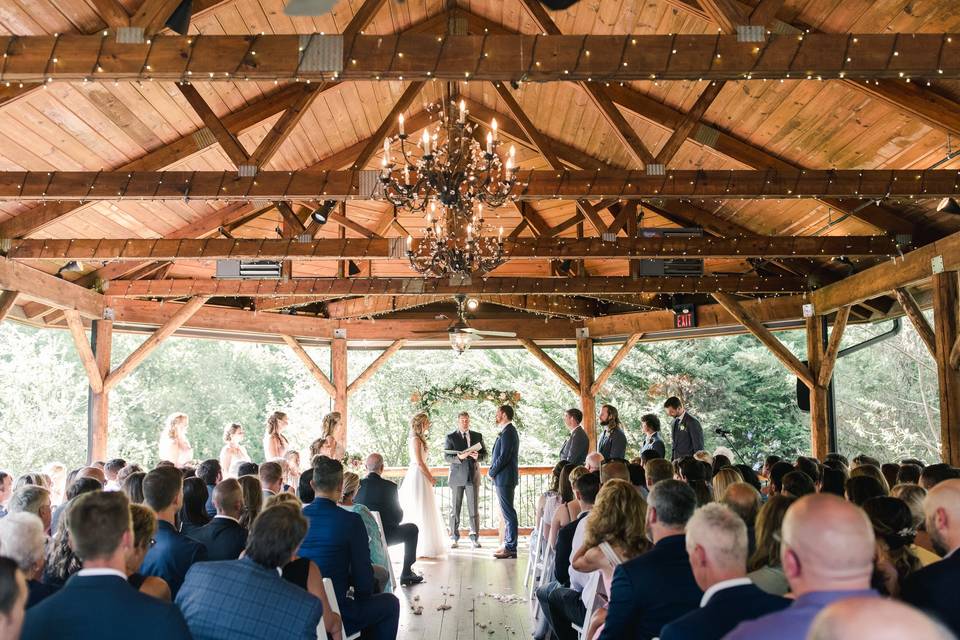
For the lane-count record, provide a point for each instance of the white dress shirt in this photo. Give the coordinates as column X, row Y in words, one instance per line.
column 106, row 571
column 720, row 586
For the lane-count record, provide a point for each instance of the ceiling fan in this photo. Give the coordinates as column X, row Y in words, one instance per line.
column 320, row 7
column 461, row 334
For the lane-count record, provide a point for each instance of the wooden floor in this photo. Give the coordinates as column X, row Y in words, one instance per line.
column 483, row 595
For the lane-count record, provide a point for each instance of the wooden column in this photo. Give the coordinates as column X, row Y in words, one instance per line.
column 98, row 404
column 946, row 323
column 7, row 300
column 819, row 440
column 588, row 400
column 338, row 375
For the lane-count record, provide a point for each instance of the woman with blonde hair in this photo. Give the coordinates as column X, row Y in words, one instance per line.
column 144, row 527
column 274, row 442
column 569, row 506
column 616, row 532
column 327, row 444
column 871, row 471
column 252, row 499
column 232, row 452
column 57, row 472
column 764, row 565
column 291, row 470
column 723, row 479
column 416, row 493
column 174, row 445
column 378, row 553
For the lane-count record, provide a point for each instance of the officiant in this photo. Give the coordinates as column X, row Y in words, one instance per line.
column 464, row 450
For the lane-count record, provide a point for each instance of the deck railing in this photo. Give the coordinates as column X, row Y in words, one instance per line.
column 533, row 482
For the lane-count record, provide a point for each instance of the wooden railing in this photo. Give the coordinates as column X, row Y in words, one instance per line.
column 533, row 482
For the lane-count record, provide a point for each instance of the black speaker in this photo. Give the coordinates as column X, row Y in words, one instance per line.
column 803, row 394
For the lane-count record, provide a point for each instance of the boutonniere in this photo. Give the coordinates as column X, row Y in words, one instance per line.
column 683, row 427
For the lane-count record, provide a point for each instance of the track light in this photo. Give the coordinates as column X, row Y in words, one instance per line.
column 948, row 205
column 322, row 213
column 179, row 20
column 74, row 266
column 353, row 268
column 564, row 267
column 472, row 304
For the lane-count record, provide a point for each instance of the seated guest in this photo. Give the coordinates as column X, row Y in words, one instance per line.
column 908, row 474
column 304, row 489
column 766, row 470
column 932, row 588
column 549, row 500
column 252, row 499
column 810, row 466
column 33, row 499
column 890, row 472
column 764, row 565
column 691, row 471
column 827, row 550
column 723, row 478
column 173, row 553
column 61, row 562
column 614, row 470
column 777, row 472
column 832, row 481
column 13, row 598
column 593, row 462
column 871, row 471
column 98, row 602
column 874, row 618
column 863, row 459
column 913, row 495
column 568, row 508
column 859, row 489
column 133, row 487
column 337, row 542
column 893, row 528
column 247, row 469
column 211, row 472
column 637, row 478
column 247, row 599
column 271, row 478
column 615, row 533
column 717, row 547
column 656, row 470
column 379, row 555
column 22, row 540
column 111, row 471
column 193, row 512
column 652, row 441
column 744, row 500
column 380, row 495
column 657, row 586
column 797, row 484
column 144, row 527
column 223, row 537
column 750, row 477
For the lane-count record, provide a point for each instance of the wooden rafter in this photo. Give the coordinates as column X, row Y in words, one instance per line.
column 7, row 300
column 389, row 124
column 829, row 360
column 166, row 330
column 152, row 14
column 87, row 357
column 112, row 13
column 374, row 366
column 285, row 124
column 691, row 120
column 611, row 367
column 917, row 319
column 311, row 365
column 368, row 307
column 49, row 290
column 726, row 13
column 550, row 364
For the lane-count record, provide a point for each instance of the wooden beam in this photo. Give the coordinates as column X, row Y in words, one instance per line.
column 356, row 227
column 588, row 400
column 955, row 354
column 829, row 360
column 285, row 124
column 734, row 308
column 374, row 366
column 765, row 12
column 917, row 319
column 228, row 142
column 338, row 376
column 550, row 364
column 313, row 287
column 368, row 307
column 389, row 125
column 946, row 322
column 819, row 398
column 151, row 343
column 567, row 306
column 611, row 367
column 311, row 365
column 98, row 403
column 303, row 185
column 689, row 122
column 534, row 220
column 112, row 13
column 726, row 13
column 84, row 351
column 152, row 14
column 362, row 17
column 49, row 290
column 7, row 300
column 883, row 278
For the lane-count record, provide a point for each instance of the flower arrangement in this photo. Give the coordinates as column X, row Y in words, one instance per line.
column 353, row 462
column 463, row 390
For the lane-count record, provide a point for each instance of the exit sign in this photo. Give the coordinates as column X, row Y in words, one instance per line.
column 685, row 316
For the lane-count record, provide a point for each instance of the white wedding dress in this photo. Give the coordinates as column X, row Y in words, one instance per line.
column 420, row 507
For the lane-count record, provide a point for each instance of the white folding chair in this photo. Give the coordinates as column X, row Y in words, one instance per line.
column 335, row 607
column 546, row 575
column 590, row 599
column 534, row 556
column 386, row 548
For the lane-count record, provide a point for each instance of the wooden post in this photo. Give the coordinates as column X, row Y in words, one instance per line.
column 946, row 323
column 7, row 300
column 819, row 435
column 362, row 379
column 98, row 404
column 550, row 364
column 588, row 401
column 338, row 375
column 919, row 321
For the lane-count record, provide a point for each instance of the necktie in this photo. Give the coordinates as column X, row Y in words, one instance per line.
column 467, row 438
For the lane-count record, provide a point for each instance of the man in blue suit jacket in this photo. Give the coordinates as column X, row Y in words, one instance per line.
column 337, row 542
column 658, row 586
column 717, row 546
column 248, row 599
column 98, row 602
column 170, row 558
column 505, row 473
column 223, row 537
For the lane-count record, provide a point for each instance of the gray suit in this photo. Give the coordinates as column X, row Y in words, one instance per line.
column 613, row 444
column 464, row 478
column 576, row 447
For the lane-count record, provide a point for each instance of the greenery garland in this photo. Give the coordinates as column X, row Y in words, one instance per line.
column 464, row 390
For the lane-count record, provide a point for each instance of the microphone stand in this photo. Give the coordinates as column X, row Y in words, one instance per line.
column 723, row 433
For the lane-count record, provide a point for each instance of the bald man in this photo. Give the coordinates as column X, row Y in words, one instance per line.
column 223, row 536
column 877, row 618
column 933, row 588
column 827, row 555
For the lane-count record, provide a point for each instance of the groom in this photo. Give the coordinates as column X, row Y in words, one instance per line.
column 504, row 472
column 464, row 476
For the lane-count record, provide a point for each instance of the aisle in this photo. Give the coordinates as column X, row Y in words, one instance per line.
column 459, row 600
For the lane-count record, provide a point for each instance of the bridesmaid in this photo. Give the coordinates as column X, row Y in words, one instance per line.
column 232, row 452
column 274, row 442
column 174, row 445
column 327, row 444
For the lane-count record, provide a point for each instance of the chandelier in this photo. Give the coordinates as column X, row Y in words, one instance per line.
column 450, row 177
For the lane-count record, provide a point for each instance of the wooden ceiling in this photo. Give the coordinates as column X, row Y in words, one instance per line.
column 780, row 125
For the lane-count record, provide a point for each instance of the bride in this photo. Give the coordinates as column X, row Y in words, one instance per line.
column 416, row 494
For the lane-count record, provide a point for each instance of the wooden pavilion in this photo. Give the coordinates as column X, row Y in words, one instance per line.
column 808, row 149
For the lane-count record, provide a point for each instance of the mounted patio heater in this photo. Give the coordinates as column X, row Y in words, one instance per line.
column 676, row 266
column 248, row 269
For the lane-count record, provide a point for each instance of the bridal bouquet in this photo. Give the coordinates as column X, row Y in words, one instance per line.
column 353, row 462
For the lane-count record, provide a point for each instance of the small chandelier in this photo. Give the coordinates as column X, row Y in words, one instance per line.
column 453, row 244
column 450, row 167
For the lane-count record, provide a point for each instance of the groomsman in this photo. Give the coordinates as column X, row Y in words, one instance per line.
column 465, row 476
column 577, row 446
column 685, row 432
column 613, row 441
column 504, row 472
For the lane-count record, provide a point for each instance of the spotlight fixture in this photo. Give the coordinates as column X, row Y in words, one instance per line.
column 353, row 269
column 322, row 213
column 74, row 266
column 564, row 267
column 179, row 20
column 948, row 205
column 472, row 304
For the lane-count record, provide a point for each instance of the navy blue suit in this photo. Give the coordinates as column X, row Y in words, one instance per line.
column 933, row 590
column 105, row 608
column 505, row 473
column 723, row 612
column 223, row 539
column 209, row 506
column 337, row 542
column 651, row 590
column 242, row 600
column 37, row 592
column 172, row 556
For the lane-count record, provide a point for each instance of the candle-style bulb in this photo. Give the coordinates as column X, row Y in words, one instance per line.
column 386, row 150
column 401, row 124
column 463, row 112
column 409, row 242
column 426, row 143
column 493, row 125
column 489, row 143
